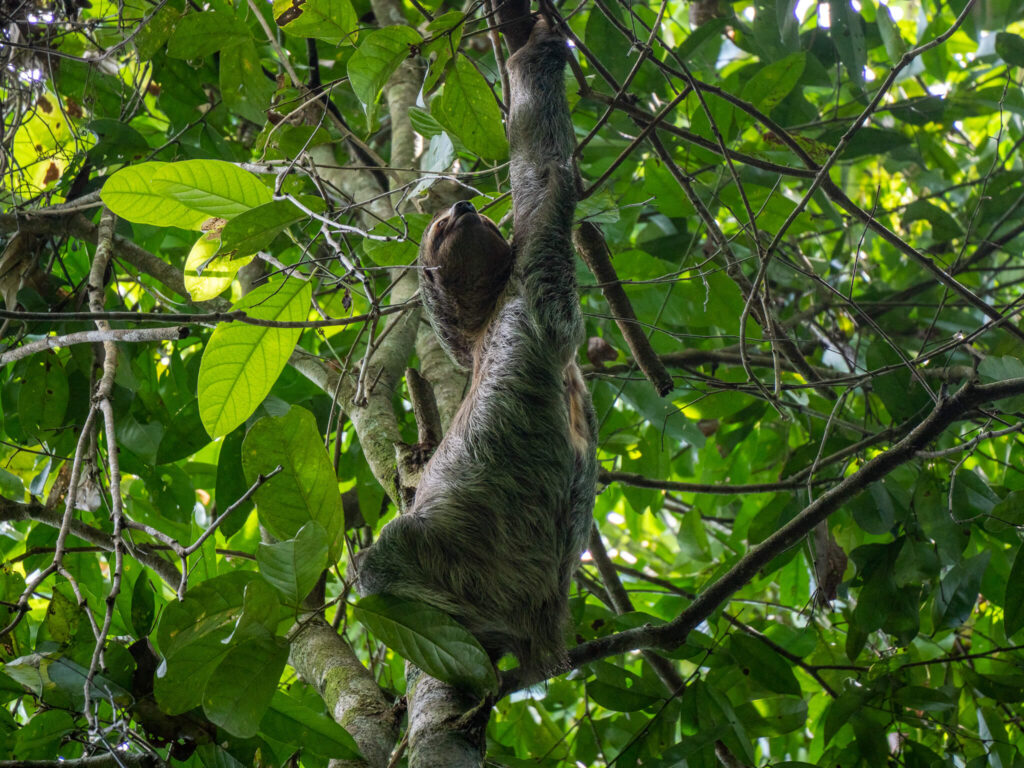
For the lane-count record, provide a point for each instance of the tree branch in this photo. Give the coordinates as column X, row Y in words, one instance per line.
column 355, row 701
column 594, row 251
column 669, row 636
column 89, row 337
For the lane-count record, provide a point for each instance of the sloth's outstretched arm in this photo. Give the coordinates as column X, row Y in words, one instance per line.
column 544, row 188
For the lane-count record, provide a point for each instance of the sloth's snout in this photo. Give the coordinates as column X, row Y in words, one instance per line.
column 462, row 207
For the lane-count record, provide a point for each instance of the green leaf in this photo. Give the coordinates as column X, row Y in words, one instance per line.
column 292, row 722
column 143, row 610
column 901, row 394
column 203, row 33
column 468, row 110
column 709, row 30
column 377, row 57
column 43, row 398
column 446, row 30
column 773, row 716
column 241, row 362
column 244, row 88
column 847, row 34
column 873, row 511
column 256, row 229
column 842, row 708
column 333, row 21
column 763, row 664
column 261, row 612
column 306, row 489
column 151, row 38
column 1013, row 601
column 926, row 699
column 772, row 83
column 890, row 33
column 240, row 689
column 63, row 618
column 179, row 684
column 213, row 187
column 619, row 690
column 118, row 142
column 430, row 639
column 231, row 485
column 1008, row 688
column 944, row 226
column 41, row 736
column 293, row 566
column 424, row 124
column 1010, row 48
column 390, row 253
column 209, row 611
column 130, row 194
column 958, row 592
column 191, row 639
column 217, row 271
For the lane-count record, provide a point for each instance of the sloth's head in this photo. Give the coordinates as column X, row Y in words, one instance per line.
column 466, row 266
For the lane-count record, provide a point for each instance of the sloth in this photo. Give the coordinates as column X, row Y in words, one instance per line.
column 503, row 509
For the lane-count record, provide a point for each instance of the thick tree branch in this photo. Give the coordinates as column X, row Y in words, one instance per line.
column 325, row 661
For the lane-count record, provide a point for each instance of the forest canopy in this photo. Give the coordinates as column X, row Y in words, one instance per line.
column 800, row 231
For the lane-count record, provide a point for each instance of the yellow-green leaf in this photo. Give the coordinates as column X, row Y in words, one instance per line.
column 241, row 362
column 217, row 273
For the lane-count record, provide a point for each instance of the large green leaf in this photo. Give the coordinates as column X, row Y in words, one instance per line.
column 294, row 722
column 956, row 595
column 293, row 566
column 41, row 736
column 191, row 637
column 256, row 229
column 468, row 110
column 306, row 489
column 240, row 689
column 378, row 55
column 209, row 610
column 245, row 90
column 333, row 21
column 772, row 83
column 241, row 362
column 131, row 195
column 1010, row 48
column 763, row 664
column 203, row 33
column 430, row 639
column 213, row 187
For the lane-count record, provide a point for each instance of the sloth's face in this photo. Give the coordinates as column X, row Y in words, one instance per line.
column 461, row 229
column 465, row 257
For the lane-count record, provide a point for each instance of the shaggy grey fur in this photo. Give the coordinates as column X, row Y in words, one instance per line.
column 504, row 507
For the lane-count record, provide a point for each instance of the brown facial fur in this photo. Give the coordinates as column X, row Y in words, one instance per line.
column 467, row 264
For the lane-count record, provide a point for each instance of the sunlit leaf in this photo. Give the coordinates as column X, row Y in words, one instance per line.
column 241, row 362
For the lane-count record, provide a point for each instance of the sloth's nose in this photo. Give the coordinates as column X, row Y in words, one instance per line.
column 462, row 207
